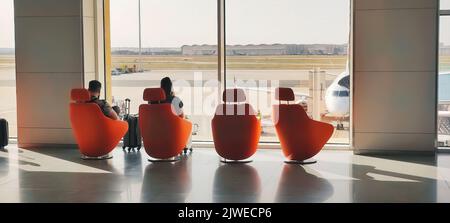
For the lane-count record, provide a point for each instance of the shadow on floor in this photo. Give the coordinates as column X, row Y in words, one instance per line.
column 296, row 185
column 424, row 159
column 236, row 183
column 371, row 184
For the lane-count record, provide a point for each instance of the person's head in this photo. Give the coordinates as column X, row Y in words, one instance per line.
column 166, row 85
column 95, row 88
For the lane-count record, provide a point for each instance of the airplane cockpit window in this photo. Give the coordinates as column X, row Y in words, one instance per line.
column 345, row 82
column 341, row 93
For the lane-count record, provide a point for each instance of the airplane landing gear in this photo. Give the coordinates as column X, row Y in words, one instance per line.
column 340, row 125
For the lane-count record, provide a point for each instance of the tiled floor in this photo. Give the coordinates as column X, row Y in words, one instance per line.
column 59, row 175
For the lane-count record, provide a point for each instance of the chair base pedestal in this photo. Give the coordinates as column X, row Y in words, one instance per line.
column 301, row 162
column 223, row 160
column 170, row 160
column 105, row 157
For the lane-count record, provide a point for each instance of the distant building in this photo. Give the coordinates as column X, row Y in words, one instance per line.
column 145, row 51
column 241, row 50
column 257, row 50
column 199, row 50
column 266, row 49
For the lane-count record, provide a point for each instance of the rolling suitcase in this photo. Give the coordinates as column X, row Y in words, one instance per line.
column 4, row 133
column 132, row 138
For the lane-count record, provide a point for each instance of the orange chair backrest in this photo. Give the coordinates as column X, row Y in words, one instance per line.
column 300, row 137
column 95, row 133
column 236, row 130
column 164, row 133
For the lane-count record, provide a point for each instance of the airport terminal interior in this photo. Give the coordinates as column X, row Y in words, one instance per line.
column 268, row 101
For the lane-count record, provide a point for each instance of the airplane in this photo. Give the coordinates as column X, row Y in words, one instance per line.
column 337, row 99
column 337, row 102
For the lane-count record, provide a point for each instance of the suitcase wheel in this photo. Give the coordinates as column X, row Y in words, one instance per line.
column 124, row 147
column 139, row 148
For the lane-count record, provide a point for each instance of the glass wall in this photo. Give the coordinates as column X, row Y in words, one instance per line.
column 178, row 40
column 445, row 4
column 444, row 76
column 300, row 44
column 7, row 66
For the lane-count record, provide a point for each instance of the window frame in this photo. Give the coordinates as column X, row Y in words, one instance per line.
column 222, row 60
column 443, row 13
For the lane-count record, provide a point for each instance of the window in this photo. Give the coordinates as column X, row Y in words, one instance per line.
column 444, row 76
column 176, row 38
column 445, row 4
column 7, row 67
column 300, row 44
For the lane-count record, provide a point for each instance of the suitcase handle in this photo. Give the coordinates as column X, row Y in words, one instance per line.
column 127, row 106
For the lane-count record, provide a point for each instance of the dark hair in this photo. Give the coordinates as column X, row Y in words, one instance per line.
column 95, row 86
column 166, row 85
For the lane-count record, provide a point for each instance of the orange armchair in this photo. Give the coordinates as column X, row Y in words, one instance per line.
column 235, row 128
column 164, row 133
column 300, row 137
column 95, row 134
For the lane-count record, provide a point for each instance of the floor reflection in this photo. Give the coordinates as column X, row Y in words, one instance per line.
column 133, row 165
column 297, row 185
column 167, row 182
column 4, row 163
column 236, row 183
column 59, row 175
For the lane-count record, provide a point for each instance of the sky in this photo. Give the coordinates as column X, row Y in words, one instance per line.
column 6, row 24
column 173, row 23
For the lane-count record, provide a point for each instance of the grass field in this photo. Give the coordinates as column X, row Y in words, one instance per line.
column 300, row 62
column 444, row 63
column 294, row 62
column 233, row 62
column 7, row 61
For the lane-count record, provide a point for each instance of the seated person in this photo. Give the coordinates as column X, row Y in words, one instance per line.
column 166, row 85
column 94, row 89
column 177, row 105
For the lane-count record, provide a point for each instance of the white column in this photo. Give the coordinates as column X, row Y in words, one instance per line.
column 317, row 92
column 394, row 75
column 55, row 52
